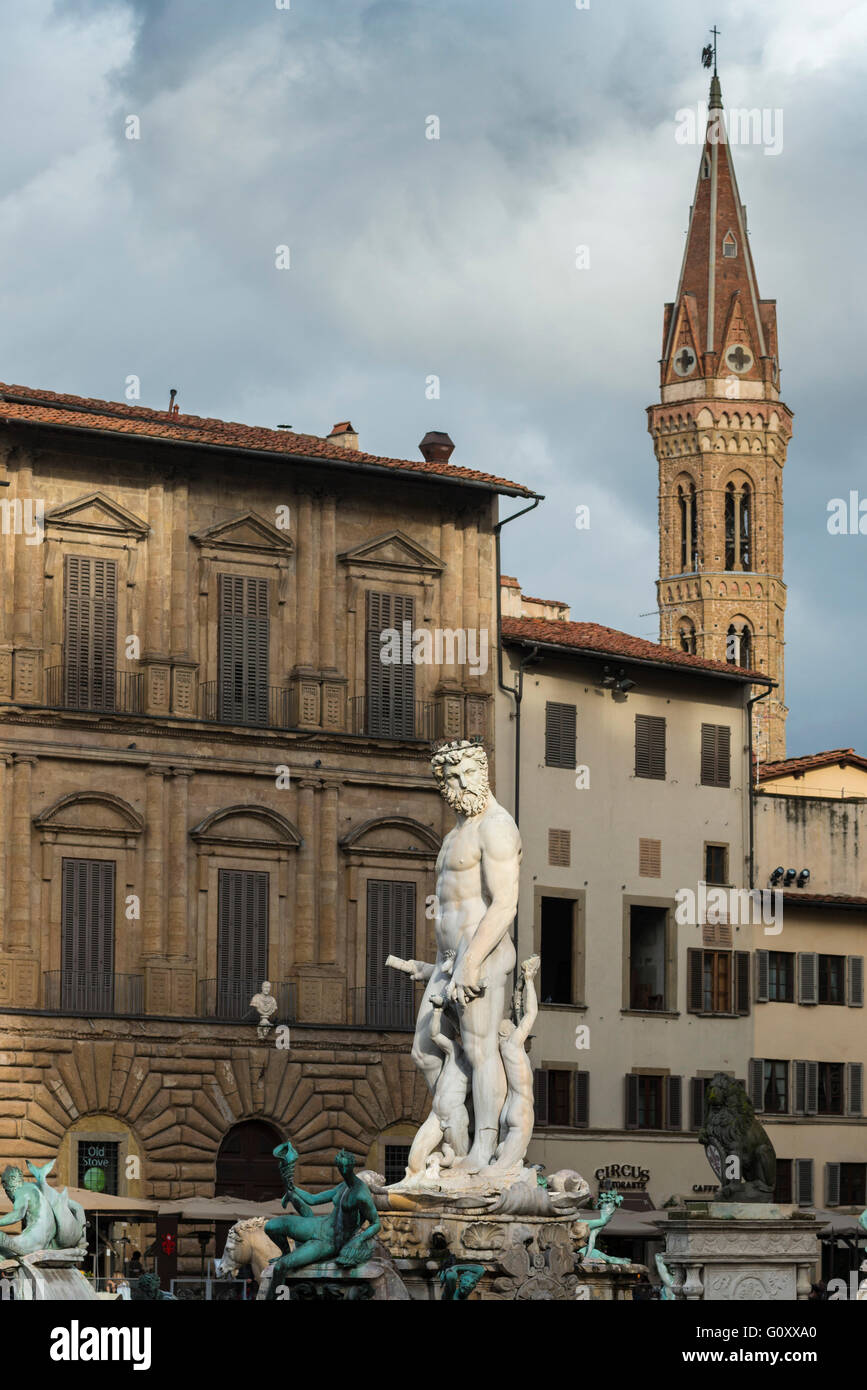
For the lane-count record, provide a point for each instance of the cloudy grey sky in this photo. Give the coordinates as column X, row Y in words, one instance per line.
column 410, row 257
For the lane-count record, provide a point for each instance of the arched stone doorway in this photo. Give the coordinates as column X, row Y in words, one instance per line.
column 246, row 1166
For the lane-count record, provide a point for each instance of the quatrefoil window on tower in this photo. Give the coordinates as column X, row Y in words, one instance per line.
column 739, row 358
column 684, row 362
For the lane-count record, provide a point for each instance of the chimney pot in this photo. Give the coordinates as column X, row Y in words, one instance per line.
column 436, row 447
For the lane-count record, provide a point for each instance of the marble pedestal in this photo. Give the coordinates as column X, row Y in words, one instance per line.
column 525, row 1257
column 49, row 1276
column 732, row 1251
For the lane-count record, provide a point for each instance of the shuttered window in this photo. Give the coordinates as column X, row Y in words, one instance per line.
column 697, row 1091
column 855, row 982
column 87, row 935
column 390, row 684
column 242, row 938
column 804, row 1182
column 560, row 735
column 243, row 650
column 716, row 755
column 389, row 998
column 560, row 848
column 808, row 977
column 90, row 633
column 832, row 1184
column 561, row 1098
column 854, row 1088
column 653, row 1102
column 649, row 858
column 650, row 746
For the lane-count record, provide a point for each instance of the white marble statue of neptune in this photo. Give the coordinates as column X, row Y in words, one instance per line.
column 476, row 900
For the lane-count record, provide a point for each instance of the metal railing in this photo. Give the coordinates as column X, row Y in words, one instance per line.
column 230, row 1000
column 394, row 1007
column 414, row 719
column 82, row 688
column 93, row 992
column 271, row 707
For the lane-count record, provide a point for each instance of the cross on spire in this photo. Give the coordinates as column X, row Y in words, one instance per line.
column 708, row 53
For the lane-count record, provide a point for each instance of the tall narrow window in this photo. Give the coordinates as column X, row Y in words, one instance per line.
column 388, row 998
column 242, row 939
column 559, row 734
column 87, row 935
column 390, row 684
column 746, row 520
column 686, row 634
column 647, row 926
column 730, row 527
column 650, row 746
column 686, row 501
column 739, row 645
column 243, row 650
column 716, row 755
column 558, row 951
column 90, row 633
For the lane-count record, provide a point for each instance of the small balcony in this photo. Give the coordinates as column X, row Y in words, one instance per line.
column 90, row 691
column 394, row 1008
column 92, row 992
column 229, row 1000
column 415, row 719
column 270, row 707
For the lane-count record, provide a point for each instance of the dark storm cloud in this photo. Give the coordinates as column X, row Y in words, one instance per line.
column 455, row 257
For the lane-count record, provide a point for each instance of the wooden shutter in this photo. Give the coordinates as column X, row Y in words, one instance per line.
column 244, row 635
column 650, row 858
column 697, row 1089
column 90, row 633
column 650, row 746
column 674, row 1102
column 741, row 982
column 804, row 1182
column 855, row 982
column 812, row 1088
column 832, row 1184
column 757, row 1084
column 581, row 1099
column 808, row 977
column 242, row 938
column 716, row 755
column 87, row 934
column 560, row 848
column 560, row 735
column 390, row 932
column 694, row 981
column 632, row 1083
column 540, row 1096
column 762, row 977
column 854, row 1088
column 390, row 686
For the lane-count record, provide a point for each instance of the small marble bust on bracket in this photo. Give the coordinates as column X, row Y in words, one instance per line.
column 266, row 1006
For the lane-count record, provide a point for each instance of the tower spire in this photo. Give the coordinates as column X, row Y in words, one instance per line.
column 720, row 433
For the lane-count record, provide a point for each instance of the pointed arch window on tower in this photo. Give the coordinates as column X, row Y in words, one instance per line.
column 686, row 635
column 739, row 645
column 730, row 245
column 686, row 502
column 705, row 167
column 738, row 526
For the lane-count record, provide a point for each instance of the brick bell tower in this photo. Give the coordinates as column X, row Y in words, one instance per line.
column 720, row 434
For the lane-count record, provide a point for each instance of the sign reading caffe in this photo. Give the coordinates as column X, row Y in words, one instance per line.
column 626, row 1177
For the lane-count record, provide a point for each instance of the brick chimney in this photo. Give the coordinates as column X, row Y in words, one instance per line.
column 344, row 435
column 436, row 447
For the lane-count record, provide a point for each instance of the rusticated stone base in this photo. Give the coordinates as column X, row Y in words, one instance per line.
column 525, row 1257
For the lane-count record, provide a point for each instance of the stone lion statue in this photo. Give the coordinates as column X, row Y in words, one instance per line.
column 737, row 1147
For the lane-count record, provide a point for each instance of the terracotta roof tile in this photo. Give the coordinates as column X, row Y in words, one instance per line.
column 790, row 767
column 26, row 405
column 607, row 641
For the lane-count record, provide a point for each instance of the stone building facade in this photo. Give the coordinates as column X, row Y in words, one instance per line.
column 209, row 777
column 720, row 434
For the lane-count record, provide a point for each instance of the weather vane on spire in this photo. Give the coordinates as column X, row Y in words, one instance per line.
column 708, row 53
